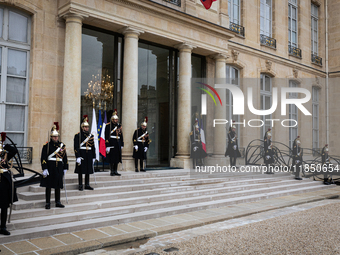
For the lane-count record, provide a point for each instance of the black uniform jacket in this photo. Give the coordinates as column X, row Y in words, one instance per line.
column 54, row 159
column 84, row 148
column 6, row 182
column 141, row 139
column 115, row 141
column 232, row 151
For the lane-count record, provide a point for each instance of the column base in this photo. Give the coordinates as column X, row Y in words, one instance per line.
column 128, row 165
column 184, row 162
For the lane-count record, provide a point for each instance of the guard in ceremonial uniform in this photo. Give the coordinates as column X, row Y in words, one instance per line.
column 141, row 142
column 54, row 164
column 268, row 150
column 325, row 163
column 232, row 149
column 114, row 142
column 7, row 191
column 297, row 158
column 197, row 152
column 85, row 154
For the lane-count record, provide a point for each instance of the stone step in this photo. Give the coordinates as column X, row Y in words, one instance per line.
column 29, row 200
column 121, row 206
column 35, row 232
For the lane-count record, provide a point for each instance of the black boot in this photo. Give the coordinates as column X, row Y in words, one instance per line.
column 48, row 198
column 4, row 231
column 136, row 165
column 59, row 204
column 88, row 187
column 115, row 169
column 48, row 206
column 81, row 188
column 111, row 170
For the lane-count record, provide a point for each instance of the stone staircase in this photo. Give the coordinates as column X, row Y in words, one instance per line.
column 142, row 196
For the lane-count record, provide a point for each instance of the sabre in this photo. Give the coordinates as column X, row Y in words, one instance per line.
column 65, row 189
column 12, row 198
column 95, row 181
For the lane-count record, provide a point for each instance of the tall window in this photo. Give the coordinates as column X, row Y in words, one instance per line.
column 315, row 100
column 314, row 29
column 292, row 23
column 293, row 115
column 14, row 55
column 233, row 77
column 266, row 17
column 234, row 11
column 266, row 101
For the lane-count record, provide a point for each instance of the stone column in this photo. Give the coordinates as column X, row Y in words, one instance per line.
column 72, row 81
column 130, row 93
column 182, row 158
column 220, row 111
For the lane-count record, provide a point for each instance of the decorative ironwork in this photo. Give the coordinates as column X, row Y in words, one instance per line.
column 268, row 41
column 236, row 28
column 25, row 154
column 316, row 59
column 175, row 2
column 296, row 52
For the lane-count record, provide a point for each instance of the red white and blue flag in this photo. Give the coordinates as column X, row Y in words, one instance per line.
column 101, row 132
column 95, row 133
column 207, row 3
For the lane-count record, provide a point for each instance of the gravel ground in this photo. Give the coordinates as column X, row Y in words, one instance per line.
column 314, row 231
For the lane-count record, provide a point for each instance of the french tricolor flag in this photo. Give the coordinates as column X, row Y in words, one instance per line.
column 102, row 146
column 207, row 3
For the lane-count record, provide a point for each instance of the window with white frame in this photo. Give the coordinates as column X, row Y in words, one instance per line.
column 14, row 54
column 233, row 77
column 234, row 11
column 315, row 114
column 266, row 17
column 314, row 29
column 293, row 115
column 265, row 101
column 292, row 23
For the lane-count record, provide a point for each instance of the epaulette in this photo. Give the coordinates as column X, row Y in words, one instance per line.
column 107, row 123
column 191, row 133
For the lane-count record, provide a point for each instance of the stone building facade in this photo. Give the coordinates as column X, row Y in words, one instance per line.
column 156, row 47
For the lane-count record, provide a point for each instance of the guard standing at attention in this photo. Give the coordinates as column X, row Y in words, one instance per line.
column 114, row 142
column 268, row 151
column 297, row 158
column 325, row 163
column 197, row 152
column 232, row 149
column 7, row 191
column 141, row 142
column 54, row 165
column 85, row 154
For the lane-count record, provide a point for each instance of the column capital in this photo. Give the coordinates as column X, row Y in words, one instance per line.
column 185, row 46
column 220, row 57
column 74, row 17
column 131, row 31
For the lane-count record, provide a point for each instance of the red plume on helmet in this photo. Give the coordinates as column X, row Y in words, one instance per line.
column 115, row 110
column 3, row 136
column 146, row 119
column 56, row 125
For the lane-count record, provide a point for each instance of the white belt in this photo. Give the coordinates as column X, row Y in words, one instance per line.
column 140, row 140
column 85, row 148
column 197, row 140
column 113, row 136
column 55, row 159
column 110, row 147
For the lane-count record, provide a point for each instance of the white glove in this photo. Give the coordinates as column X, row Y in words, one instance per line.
column 195, row 148
column 3, row 171
column 267, row 157
column 145, row 149
column 235, row 147
column 45, row 173
column 93, row 161
column 297, row 161
column 65, row 170
column 79, row 161
column 107, row 150
column 136, row 147
column 121, row 147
